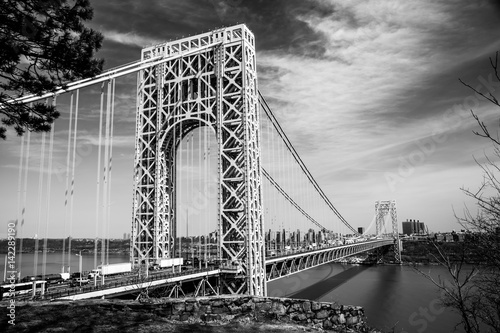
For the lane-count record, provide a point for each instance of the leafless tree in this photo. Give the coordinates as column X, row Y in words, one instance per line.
column 473, row 288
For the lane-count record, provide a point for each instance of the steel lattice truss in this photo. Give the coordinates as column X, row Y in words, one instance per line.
column 215, row 87
column 382, row 208
column 279, row 267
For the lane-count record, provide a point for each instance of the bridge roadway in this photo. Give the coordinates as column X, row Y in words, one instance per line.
column 294, row 262
column 276, row 267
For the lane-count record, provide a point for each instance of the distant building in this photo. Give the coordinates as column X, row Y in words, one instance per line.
column 411, row 227
column 361, row 230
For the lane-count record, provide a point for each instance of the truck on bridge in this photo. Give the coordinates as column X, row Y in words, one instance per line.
column 167, row 263
column 111, row 269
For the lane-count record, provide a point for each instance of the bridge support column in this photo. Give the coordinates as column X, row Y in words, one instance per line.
column 382, row 208
column 211, row 80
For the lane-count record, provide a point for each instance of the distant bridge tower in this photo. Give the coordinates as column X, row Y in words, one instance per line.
column 208, row 79
column 382, row 208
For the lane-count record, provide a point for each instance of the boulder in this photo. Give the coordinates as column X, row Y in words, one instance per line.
column 315, row 306
column 306, row 306
column 327, row 324
column 322, row 314
column 278, row 309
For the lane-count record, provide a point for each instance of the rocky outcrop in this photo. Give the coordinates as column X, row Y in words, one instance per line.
column 318, row 314
column 218, row 310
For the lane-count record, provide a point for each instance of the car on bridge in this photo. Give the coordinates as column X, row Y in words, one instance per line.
column 28, row 279
column 79, row 281
column 54, row 278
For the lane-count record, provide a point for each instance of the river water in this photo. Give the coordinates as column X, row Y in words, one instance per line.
column 392, row 296
column 54, row 262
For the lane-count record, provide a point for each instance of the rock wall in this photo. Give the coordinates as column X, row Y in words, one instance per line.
column 219, row 310
column 319, row 314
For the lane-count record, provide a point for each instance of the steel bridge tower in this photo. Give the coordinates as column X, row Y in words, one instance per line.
column 208, row 79
column 382, row 208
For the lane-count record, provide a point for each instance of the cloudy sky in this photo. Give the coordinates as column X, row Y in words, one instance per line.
column 367, row 91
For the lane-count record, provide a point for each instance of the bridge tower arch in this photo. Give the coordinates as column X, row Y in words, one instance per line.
column 382, row 209
column 208, row 79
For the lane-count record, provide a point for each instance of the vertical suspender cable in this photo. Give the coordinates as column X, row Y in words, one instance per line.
column 193, row 196
column 208, row 194
column 25, row 191
column 105, row 178
column 191, row 167
column 18, row 234
column 73, row 166
column 272, row 160
column 206, row 190
column 208, row 182
column 291, row 211
column 189, row 181
column 192, row 174
column 40, row 198
column 49, row 183
column 98, row 187
column 179, row 186
column 189, row 154
column 186, row 189
column 270, row 204
column 135, row 206
column 110, row 163
column 295, row 194
column 198, row 190
column 173, row 221
column 66, row 206
column 203, row 182
column 283, row 207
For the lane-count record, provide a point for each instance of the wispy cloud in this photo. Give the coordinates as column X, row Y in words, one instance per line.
column 130, row 38
column 378, row 56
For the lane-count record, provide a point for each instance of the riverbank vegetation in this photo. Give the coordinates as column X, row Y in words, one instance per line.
column 425, row 252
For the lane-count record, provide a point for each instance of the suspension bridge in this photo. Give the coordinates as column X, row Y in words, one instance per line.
column 214, row 175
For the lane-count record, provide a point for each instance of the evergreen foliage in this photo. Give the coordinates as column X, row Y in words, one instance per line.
column 44, row 44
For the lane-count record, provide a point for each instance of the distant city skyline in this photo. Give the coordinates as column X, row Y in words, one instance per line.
column 367, row 91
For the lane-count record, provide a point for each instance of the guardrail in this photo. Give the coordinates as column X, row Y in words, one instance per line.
column 53, row 294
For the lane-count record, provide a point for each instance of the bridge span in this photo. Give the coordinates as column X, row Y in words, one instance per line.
column 211, row 280
column 208, row 151
column 278, row 267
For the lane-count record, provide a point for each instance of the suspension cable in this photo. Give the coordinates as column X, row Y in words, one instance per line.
column 292, row 150
column 111, row 74
column 287, row 197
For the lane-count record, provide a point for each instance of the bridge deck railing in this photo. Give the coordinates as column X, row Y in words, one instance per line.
column 131, row 280
column 318, row 248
